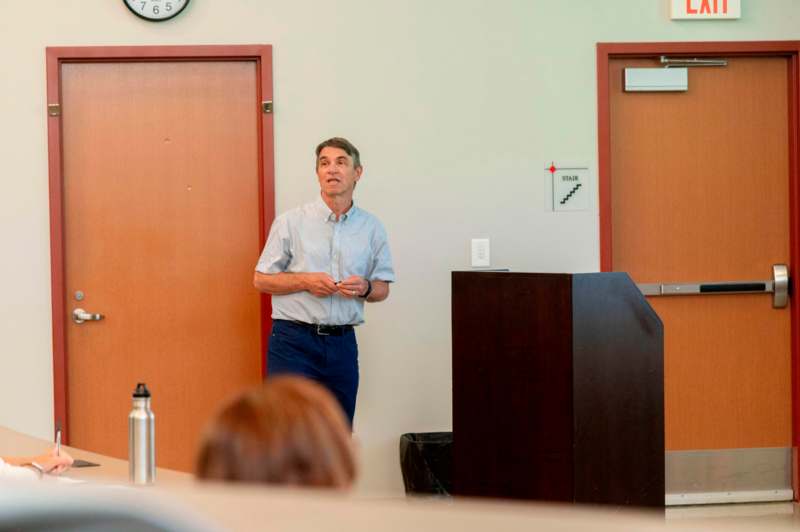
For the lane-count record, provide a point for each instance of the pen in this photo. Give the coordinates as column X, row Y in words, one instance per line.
column 58, row 442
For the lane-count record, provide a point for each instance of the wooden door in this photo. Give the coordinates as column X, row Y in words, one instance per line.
column 162, row 224
column 700, row 192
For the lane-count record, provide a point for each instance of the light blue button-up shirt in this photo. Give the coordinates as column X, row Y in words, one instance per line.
column 309, row 239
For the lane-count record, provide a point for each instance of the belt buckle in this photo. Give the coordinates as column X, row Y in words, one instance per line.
column 320, row 332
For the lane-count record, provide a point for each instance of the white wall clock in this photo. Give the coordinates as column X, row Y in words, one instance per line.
column 156, row 10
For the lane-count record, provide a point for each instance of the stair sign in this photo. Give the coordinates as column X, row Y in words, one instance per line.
column 569, row 188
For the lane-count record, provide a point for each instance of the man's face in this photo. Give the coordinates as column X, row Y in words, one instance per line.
column 336, row 173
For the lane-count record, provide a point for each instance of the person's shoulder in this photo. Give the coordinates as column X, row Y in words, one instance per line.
column 371, row 221
column 368, row 216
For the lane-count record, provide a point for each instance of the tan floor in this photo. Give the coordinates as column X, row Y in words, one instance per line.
column 766, row 515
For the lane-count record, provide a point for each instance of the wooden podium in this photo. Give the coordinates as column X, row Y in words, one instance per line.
column 558, row 388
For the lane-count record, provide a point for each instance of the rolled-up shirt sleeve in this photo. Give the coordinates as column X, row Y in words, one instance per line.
column 382, row 268
column 277, row 254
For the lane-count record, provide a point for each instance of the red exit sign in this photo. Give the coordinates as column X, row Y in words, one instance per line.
column 706, row 9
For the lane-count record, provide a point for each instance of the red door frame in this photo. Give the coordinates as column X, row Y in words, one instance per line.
column 56, row 56
column 789, row 49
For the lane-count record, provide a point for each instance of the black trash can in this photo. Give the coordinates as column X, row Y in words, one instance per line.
column 426, row 459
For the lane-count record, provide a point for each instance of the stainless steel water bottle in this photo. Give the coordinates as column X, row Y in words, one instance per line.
column 142, row 438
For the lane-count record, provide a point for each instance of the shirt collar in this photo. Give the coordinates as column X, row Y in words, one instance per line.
column 328, row 215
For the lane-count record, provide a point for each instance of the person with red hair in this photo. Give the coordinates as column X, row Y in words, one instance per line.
column 290, row 431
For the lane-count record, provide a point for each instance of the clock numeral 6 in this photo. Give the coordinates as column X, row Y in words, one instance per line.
column 155, row 10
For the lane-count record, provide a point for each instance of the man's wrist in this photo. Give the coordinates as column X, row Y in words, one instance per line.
column 366, row 294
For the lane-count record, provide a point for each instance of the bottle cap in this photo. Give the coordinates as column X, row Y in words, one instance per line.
column 141, row 390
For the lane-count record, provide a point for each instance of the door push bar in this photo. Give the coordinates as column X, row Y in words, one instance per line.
column 778, row 287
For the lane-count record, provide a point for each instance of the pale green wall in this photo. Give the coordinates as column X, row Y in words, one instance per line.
column 456, row 105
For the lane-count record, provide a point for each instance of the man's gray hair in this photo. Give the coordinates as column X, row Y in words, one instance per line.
column 343, row 144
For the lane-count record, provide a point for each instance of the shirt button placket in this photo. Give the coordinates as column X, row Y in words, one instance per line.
column 336, row 253
column 335, row 270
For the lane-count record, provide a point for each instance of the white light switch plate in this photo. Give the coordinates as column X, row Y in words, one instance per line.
column 480, row 252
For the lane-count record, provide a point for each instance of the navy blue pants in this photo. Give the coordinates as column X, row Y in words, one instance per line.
column 330, row 360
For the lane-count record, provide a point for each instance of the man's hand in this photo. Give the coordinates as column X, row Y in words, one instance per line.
column 353, row 286
column 319, row 284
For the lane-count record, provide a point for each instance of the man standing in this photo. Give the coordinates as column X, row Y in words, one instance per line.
column 322, row 261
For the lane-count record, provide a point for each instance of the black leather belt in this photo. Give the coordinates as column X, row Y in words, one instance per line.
column 324, row 330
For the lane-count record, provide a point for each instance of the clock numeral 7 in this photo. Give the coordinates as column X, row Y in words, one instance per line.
column 144, row 4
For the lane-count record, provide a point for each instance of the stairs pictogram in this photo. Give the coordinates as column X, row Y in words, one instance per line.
column 571, row 192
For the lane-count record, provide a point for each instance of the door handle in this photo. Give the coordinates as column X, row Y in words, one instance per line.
column 79, row 316
column 778, row 286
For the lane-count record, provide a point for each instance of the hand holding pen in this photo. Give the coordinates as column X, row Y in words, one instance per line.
column 57, row 461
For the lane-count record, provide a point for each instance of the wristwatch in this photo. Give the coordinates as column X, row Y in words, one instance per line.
column 369, row 289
